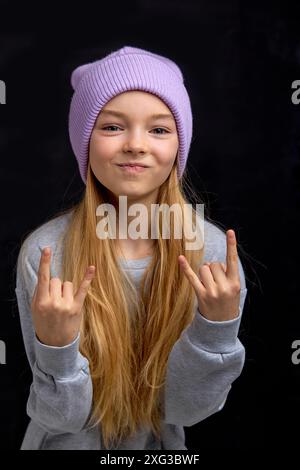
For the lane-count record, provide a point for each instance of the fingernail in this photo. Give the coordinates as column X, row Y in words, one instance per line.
column 46, row 251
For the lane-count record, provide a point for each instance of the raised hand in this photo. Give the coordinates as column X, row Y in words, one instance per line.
column 218, row 286
column 56, row 312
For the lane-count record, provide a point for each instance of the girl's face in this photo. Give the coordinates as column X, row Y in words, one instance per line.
column 126, row 131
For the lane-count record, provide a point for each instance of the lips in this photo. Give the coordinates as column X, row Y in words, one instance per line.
column 132, row 165
column 132, row 169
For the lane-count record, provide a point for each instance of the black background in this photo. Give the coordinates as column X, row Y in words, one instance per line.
column 239, row 59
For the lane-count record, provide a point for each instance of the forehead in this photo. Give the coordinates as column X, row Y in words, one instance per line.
column 137, row 102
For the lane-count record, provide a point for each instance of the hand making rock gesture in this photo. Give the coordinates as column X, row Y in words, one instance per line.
column 217, row 286
column 56, row 311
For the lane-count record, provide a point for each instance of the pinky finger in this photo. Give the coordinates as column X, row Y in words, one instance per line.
column 84, row 286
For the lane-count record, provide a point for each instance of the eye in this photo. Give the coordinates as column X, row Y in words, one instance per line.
column 117, row 127
column 107, row 127
column 161, row 128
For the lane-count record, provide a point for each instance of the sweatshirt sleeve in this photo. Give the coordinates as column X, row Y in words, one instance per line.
column 202, row 366
column 60, row 395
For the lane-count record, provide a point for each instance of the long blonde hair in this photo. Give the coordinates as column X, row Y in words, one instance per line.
column 127, row 335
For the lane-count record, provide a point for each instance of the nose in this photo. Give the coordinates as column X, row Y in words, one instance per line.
column 135, row 144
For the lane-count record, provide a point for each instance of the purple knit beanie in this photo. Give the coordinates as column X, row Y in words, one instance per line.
column 128, row 68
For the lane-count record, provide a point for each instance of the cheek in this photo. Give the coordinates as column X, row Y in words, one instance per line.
column 166, row 160
column 166, row 151
column 100, row 149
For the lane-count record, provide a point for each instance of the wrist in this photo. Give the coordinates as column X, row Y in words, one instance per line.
column 57, row 342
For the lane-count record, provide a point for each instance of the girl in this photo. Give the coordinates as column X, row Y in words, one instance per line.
column 129, row 339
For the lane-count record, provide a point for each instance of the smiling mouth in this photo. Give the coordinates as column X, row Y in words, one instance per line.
column 131, row 165
column 132, row 169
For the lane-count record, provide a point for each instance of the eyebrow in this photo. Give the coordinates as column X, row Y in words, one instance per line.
column 119, row 114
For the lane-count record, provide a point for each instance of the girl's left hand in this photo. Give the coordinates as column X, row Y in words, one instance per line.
column 218, row 286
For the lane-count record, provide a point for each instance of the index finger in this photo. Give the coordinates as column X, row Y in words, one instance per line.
column 44, row 274
column 232, row 267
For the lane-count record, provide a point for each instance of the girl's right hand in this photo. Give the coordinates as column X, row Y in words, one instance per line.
column 55, row 310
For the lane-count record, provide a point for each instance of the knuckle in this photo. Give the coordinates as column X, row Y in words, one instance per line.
column 84, row 291
column 236, row 287
column 68, row 283
column 224, row 291
column 233, row 257
column 73, row 313
column 55, row 304
column 203, row 268
column 68, row 309
column 42, row 277
column 42, row 307
column 84, row 288
column 214, row 264
column 213, row 294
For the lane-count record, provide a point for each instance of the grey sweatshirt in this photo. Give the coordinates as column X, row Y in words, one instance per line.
column 201, row 368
